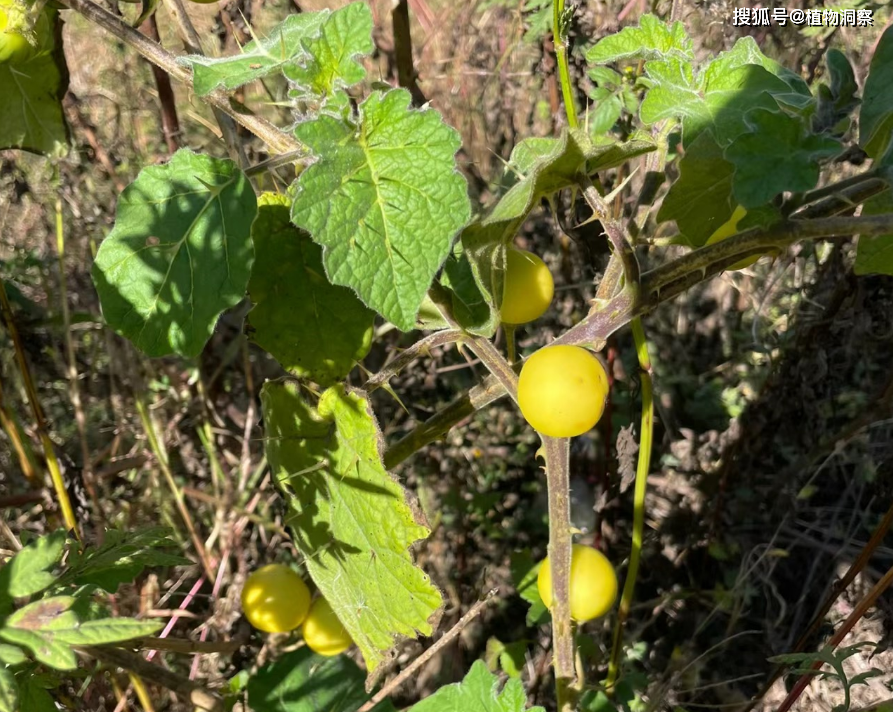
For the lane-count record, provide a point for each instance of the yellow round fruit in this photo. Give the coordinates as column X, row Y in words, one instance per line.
column 562, row 390
column 275, row 599
column 14, row 48
column 528, row 289
column 729, row 228
column 593, row 584
column 323, row 632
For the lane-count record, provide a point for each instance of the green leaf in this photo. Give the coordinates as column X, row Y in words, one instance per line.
column 876, row 115
column 524, row 574
column 674, row 93
column 301, row 681
column 701, row 198
column 652, row 39
column 384, row 199
column 779, row 155
column 9, row 692
column 310, row 326
column 546, row 165
column 470, row 308
column 31, row 116
column 11, row 655
column 34, row 696
column 478, row 692
column 874, row 254
column 122, row 557
column 179, row 255
column 49, row 626
column 332, row 62
column 28, row 572
column 44, row 648
column 281, row 48
column 353, row 522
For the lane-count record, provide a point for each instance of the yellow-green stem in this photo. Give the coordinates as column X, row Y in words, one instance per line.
column 642, row 469
column 559, row 39
column 49, row 451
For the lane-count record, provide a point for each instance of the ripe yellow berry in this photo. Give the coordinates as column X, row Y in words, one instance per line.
column 275, row 599
column 323, row 632
column 562, row 390
column 593, row 583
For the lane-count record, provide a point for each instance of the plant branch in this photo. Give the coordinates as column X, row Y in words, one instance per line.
column 406, row 75
column 444, row 640
column 495, row 363
column 443, row 421
column 557, row 454
column 277, row 140
column 183, row 687
column 419, row 348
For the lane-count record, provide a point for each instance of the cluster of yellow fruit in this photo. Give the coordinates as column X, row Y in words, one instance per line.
column 276, row 600
column 561, row 392
column 562, row 389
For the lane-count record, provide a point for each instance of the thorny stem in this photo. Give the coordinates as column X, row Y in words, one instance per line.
column 160, row 57
column 419, row 348
column 49, row 450
column 557, row 455
column 643, row 467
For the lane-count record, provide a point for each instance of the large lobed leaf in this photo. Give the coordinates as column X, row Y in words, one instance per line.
column 352, row 520
column 652, row 39
column 384, row 199
column 179, row 255
column 313, row 328
column 31, row 94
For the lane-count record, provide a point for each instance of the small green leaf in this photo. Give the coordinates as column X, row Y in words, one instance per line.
column 874, row 254
column 876, row 115
column 11, row 655
column 44, row 614
column 31, row 116
column 674, row 93
column 43, row 647
column 470, row 307
column 345, row 37
column 9, row 692
column 282, row 47
column 779, row 155
column 29, row 571
column 301, row 681
column 384, row 199
column 122, row 557
column 352, row 520
column 478, row 692
column 524, row 574
column 310, row 326
column 34, row 696
column 106, row 630
column 179, row 255
column 701, row 198
column 652, row 39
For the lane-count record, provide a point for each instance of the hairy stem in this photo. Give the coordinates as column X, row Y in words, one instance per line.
column 559, row 40
column 557, row 455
